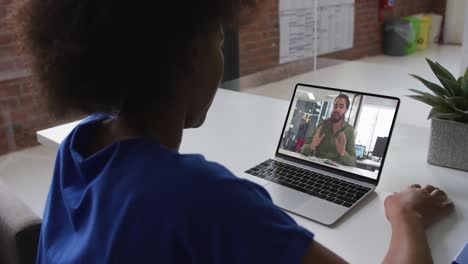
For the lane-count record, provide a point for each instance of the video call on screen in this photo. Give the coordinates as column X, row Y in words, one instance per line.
column 347, row 131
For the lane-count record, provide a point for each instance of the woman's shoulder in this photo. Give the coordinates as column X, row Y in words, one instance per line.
column 192, row 182
column 186, row 172
column 203, row 174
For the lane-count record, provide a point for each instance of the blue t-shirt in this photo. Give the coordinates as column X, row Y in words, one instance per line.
column 136, row 201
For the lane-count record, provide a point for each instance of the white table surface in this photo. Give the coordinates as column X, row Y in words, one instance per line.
column 364, row 77
column 242, row 130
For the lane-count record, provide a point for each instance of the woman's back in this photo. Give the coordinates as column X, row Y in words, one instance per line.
column 137, row 201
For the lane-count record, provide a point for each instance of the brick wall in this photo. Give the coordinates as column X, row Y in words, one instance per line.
column 9, row 59
column 259, row 41
column 439, row 6
column 22, row 109
column 21, row 113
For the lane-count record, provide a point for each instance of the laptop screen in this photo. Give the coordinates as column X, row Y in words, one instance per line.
column 340, row 129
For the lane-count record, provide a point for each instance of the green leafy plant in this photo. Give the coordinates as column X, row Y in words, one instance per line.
column 448, row 100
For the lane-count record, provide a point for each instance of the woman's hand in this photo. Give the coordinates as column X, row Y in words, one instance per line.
column 424, row 205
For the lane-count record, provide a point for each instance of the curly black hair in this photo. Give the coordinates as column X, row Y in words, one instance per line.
column 109, row 55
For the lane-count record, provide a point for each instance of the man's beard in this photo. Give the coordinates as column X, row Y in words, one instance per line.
column 336, row 118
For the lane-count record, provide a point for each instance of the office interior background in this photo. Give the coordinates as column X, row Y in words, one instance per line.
column 256, row 63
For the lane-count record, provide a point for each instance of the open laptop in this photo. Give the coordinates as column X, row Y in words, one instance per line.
column 321, row 183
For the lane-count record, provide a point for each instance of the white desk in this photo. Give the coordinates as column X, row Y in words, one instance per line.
column 364, row 77
column 242, row 130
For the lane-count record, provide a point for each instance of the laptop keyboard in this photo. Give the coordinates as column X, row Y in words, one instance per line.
column 318, row 185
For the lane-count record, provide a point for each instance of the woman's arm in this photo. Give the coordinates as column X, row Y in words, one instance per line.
column 409, row 212
column 319, row 254
column 408, row 243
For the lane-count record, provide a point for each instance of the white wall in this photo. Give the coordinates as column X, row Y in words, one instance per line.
column 454, row 19
column 464, row 60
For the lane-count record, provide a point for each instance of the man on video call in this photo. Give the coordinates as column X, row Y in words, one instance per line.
column 333, row 138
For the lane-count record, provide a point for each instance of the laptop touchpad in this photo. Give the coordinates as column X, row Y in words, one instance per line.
column 286, row 197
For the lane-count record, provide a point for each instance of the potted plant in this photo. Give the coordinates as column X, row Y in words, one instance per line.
column 448, row 144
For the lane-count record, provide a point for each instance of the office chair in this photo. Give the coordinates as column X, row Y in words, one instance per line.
column 19, row 230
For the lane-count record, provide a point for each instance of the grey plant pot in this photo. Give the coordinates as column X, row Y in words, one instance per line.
column 448, row 144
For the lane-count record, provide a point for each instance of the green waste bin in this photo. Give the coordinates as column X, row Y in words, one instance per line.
column 397, row 33
column 415, row 25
